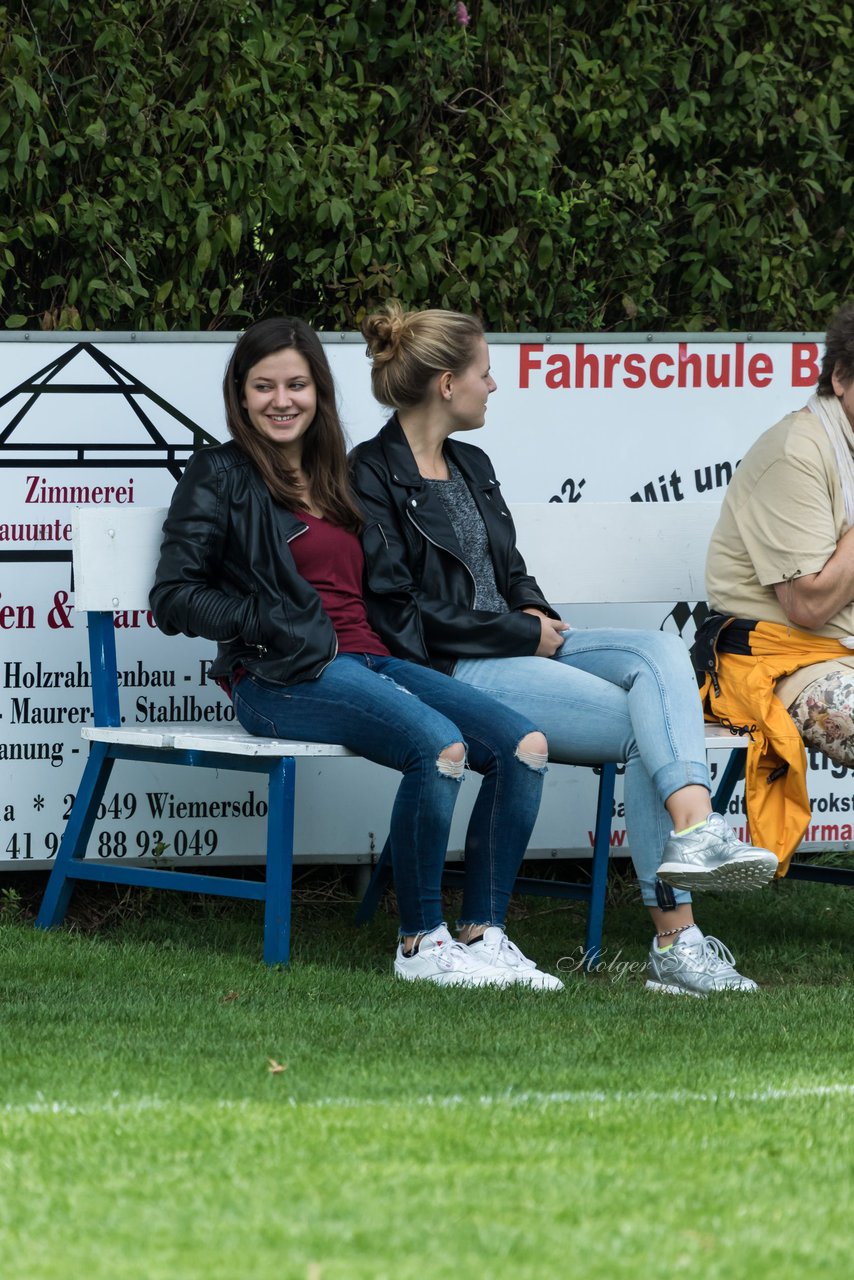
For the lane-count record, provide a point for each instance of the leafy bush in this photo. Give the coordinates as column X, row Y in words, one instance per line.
column 589, row 164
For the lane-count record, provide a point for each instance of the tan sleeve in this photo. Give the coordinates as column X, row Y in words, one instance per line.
column 787, row 521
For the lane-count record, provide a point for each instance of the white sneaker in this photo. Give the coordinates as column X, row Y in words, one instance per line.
column 448, row 963
column 496, row 949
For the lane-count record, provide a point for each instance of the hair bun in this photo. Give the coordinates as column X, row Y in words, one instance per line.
column 383, row 331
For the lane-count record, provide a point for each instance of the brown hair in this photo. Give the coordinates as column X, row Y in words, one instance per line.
column 408, row 349
column 324, row 458
column 838, row 351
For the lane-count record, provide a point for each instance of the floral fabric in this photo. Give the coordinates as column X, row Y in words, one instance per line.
column 824, row 715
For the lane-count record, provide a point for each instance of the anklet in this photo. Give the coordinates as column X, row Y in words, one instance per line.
column 669, row 933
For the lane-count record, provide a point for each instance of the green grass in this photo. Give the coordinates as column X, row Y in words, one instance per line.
column 598, row 1132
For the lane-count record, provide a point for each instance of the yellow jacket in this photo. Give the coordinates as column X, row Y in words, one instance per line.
column 741, row 692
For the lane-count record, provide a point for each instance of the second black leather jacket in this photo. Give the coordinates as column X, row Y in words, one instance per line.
column 226, row 573
column 419, row 589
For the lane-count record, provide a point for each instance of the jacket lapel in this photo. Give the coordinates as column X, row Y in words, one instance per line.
column 423, row 505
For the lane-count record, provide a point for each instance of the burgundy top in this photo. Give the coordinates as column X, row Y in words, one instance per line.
column 332, row 560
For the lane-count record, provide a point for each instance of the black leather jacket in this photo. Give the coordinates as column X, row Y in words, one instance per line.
column 226, row 573
column 419, row 590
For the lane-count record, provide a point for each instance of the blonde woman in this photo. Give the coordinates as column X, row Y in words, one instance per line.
column 448, row 588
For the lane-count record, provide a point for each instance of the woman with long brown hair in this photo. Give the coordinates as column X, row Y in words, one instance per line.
column 261, row 554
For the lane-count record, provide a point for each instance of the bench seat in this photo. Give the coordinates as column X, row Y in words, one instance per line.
column 192, row 737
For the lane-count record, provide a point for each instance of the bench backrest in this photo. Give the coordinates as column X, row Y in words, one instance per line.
column 580, row 553
column 115, row 553
column 622, row 553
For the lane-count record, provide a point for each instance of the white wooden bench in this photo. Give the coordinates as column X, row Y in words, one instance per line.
column 580, row 553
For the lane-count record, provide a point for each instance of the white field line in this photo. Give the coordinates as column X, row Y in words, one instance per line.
column 115, row 1105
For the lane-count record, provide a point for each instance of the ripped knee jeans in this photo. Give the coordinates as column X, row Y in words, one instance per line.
column 405, row 716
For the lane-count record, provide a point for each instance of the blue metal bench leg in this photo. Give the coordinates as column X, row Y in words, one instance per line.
column 280, row 861
column 731, row 776
column 81, row 820
column 601, row 856
column 377, row 886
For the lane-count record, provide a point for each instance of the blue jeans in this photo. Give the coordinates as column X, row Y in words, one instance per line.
column 610, row 694
column 366, row 702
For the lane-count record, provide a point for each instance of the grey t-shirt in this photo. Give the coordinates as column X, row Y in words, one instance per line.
column 471, row 534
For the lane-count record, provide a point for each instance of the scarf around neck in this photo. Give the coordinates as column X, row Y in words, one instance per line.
column 834, row 419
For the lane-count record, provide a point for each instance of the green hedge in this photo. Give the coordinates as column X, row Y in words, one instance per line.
column 191, row 164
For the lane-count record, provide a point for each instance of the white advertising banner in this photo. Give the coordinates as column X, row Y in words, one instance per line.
column 111, row 419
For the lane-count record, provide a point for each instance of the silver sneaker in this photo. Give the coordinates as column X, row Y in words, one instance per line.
column 712, row 857
column 695, row 966
column 496, row 949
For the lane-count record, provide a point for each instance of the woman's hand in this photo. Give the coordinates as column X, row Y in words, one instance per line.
column 552, row 633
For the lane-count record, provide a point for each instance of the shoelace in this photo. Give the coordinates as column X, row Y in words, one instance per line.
column 517, row 960
column 716, row 954
column 449, row 955
column 725, row 831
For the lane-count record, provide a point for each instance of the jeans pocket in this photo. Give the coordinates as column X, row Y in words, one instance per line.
column 253, row 720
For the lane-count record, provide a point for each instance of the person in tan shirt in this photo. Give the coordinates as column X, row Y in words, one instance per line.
column 783, row 548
